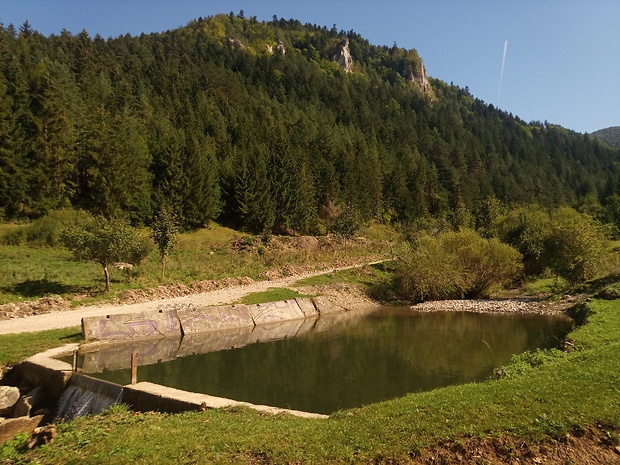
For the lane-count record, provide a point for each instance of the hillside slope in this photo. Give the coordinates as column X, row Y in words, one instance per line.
column 267, row 126
column 611, row 136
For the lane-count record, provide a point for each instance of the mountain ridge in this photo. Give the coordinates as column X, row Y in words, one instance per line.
column 256, row 125
column 610, row 135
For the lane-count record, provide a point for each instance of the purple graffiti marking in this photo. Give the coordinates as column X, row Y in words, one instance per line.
column 147, row 328
column 171, row 320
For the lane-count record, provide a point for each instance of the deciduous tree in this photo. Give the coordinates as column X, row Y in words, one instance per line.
column 164, row 231
column 105, row 241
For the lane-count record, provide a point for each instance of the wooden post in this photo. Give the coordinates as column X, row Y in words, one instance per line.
column 75, row 360
column 134, row 368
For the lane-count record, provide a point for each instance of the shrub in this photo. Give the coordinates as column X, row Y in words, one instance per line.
column 455, row 265
column 526, row 229
column 485, row 263
column 574, row 245
column 425, row 271
column 347, row 224
column 45, row 231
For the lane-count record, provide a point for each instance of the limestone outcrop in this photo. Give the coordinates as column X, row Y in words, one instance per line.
column 418, row 77
column 343, row 57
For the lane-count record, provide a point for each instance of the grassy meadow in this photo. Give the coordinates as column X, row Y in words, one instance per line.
column 546, row 398
column 540, row 398
column 32, row 271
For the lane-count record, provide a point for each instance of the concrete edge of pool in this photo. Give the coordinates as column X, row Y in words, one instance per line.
column 44, row 369
column 47, row 370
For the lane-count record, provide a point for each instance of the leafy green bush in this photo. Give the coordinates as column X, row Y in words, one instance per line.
column 526, row 229
column 425, row 271
column 574, row 245
column 455, row 265
column 347, row 224
column 45, row 231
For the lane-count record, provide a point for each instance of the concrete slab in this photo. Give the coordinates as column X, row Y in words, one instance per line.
column 151, row 323
column 324, row 306
column 205, row 319
column 307, row 307
column 148, row 397
column 275, row 311
column 53, row 381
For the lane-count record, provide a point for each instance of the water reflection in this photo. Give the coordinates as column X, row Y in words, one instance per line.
column 351, row 360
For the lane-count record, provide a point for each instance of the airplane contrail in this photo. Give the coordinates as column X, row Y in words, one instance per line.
column 501, row 76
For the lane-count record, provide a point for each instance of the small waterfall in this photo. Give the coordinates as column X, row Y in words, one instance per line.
column 87, row 396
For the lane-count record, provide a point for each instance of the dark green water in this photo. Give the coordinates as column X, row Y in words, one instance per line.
column 359, row 360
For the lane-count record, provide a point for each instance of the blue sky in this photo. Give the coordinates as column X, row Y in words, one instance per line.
column 562, row 61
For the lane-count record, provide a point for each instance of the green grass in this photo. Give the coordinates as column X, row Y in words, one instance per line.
column 30, row 272
column 545, row 286
column 274, row 294
column 16, row 347
column 368, row 275
column 558, row 394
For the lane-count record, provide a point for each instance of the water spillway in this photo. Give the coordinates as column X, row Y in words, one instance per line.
column 84, row 395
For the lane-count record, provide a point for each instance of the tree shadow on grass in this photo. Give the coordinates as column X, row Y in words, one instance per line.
column 75, row 337
column 39, row 288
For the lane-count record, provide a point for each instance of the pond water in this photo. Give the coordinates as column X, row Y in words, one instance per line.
column 358, row 359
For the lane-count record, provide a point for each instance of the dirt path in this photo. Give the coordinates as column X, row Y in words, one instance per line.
column 69, row 318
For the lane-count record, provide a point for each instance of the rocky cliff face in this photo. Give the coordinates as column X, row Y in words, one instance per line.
column 418, row 77
column 343, row 57
column 280, row 48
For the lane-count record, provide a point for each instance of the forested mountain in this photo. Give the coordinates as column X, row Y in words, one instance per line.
column 610, row 136
column 266, row 126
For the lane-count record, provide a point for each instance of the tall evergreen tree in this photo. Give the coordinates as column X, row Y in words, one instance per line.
column 255, row 205
column 200, row 194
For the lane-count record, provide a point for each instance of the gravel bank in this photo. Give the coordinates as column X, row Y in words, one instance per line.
column 520, row 305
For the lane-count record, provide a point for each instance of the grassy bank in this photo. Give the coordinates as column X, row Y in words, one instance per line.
column 564, row 393
column 17, row 347
column 30, row 271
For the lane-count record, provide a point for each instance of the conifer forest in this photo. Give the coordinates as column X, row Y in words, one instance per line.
column 268, row 126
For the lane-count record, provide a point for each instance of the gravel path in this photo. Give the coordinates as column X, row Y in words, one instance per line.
column 69, row 318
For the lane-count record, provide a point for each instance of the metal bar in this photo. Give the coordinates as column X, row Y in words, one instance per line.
column 134, row 368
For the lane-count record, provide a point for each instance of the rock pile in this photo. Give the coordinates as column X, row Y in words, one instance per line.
column 25, row 412
column 36, row 307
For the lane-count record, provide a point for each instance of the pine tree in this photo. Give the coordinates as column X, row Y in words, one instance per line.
column 114, row 167
column 255, row 205
column 200, row 194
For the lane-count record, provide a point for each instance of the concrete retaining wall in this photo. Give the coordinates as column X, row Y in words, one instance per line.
column 186, row 319
column 154, row 323
column 55, row 376
column 47, row 371
column 203, row 319
column 272, row 312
